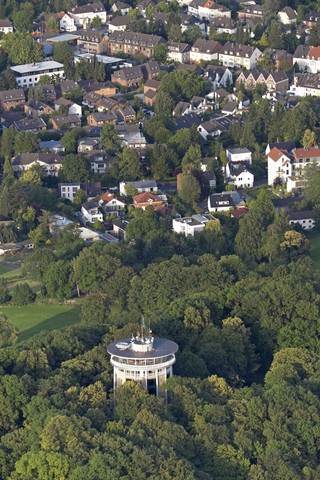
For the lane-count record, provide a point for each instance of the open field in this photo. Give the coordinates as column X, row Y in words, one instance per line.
column 315, row 248
column 33, row 319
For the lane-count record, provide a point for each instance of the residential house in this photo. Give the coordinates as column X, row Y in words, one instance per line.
column 219, row 76
column 99, row 119
column 215, row 126
column 68, row 190
column 150, row 98
column 73, row 108
column 278, row 57
column 188, row 20
column 141, row 186
column 287, row 16
column 119, row 23
column 100, row 161
column 295, row 183
column 33, row 125
column 67, row 23
column 239, row 174
column 90, row 212
column 121, row 7
column 88, row 144
column 230, row 108
column 143, row 200
column 305, row 219
column 128, row 77
column 302, row 157
column 66, row 86
column 112, row 204
column 150, row 70
column 178, row 52
column 251, row 11
column 305, row 84
column 36, row 108
column 106, row 104
column 222, row 202
column 190, row 68
column 279, row 166
column 12, row 98
column 284, row 146
column 6, row 26
column 51, row 162
column 204, row 50
column 307, row 58
column 274, row 81
column 126, row 114
column 91, row 100
column 223, row 25
column 48, row 92
column 153, row 85
column 237, row 55
column 132, row 43
column 208, row 9
column 119, row 228
column 84, row 14
column 238, row 212
column 311, row 19
column 65, row 121
column 93, row 40
column 241, row 154
column 191, row 225
column 52, row 146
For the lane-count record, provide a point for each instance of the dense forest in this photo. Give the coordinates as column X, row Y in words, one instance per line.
column 242, row 301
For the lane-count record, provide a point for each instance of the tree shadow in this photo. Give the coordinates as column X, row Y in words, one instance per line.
column 62, row 320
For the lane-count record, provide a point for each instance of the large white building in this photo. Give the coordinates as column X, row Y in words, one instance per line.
column 191, row 225
column 28, row 75
column 145, row 360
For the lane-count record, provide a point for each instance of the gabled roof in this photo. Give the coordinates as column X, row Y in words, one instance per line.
column 307, row 152
column 275, row 154
column 146, row 197
column 107, row 197
column 314, row 52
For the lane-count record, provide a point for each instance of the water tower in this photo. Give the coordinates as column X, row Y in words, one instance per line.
column 146, row 360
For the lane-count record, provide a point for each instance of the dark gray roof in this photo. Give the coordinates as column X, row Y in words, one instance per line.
column 27, row 158
column 306, row 215
column 161, row 348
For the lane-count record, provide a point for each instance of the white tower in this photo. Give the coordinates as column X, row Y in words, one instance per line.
column 146, row 360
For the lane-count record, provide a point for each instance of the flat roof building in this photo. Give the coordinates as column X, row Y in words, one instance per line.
column 28, row 75
column 146, row 360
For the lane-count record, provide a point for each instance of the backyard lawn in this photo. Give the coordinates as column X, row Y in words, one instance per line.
column 315, row 249
column 33, row 319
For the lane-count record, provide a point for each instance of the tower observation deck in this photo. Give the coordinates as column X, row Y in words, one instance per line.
column 146, row 360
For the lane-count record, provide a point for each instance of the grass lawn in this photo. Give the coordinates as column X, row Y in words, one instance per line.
column 8, row 272
column 315, row 249
column 33, row 319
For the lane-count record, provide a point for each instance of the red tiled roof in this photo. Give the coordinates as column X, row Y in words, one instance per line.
column 307, row 152
column 238, row 212
column 314, row 52
column 275, row 154
column 145, row 197
column 108, row 197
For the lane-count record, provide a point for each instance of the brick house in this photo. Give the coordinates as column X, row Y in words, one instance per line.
column 99, row 119
column 12, row 98
column 128, row 77
column 133, row 43
column 65, row 121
